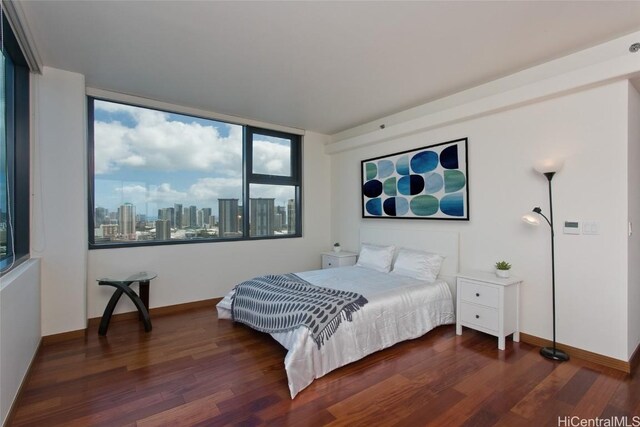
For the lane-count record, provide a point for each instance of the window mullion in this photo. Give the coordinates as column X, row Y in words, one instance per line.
column 247, row 162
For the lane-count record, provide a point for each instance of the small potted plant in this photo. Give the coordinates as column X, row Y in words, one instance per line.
column 502, row 269
column 336, row 247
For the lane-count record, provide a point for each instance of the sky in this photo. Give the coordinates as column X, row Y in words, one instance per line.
column 155, row 159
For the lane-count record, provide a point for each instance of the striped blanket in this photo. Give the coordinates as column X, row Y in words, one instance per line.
column 280, row 303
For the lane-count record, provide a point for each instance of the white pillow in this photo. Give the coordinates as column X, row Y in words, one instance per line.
column 418, row 264
column 377, row 258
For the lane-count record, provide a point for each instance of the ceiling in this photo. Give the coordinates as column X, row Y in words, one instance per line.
column 315, row 65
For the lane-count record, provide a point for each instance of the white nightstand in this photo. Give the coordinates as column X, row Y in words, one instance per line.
column 488, row 304
column 338, row 259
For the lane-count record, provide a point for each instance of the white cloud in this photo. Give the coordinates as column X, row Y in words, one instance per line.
column 163, row 194
column 109, row 147
column 211, row 189
column 131, row 193
column 271, row 157
column 155, row 142
column 132, row 190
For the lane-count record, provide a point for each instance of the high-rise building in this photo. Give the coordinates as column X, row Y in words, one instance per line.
column 100, row 217
column 227, row 216
column 177, row 221
column 172, row 217
column 186, row 219
column 291, row 216
column 163, row 229
column 166, row 214
column 280, row 218
column 127, row 221
column 206, row 217
column 262, row 217
column 193, row 216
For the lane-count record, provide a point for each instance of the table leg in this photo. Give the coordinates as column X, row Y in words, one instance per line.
column 108, row 311
column 140, row 306
column 144, row 296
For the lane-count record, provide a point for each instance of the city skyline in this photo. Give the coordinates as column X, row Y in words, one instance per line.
column 189, row 222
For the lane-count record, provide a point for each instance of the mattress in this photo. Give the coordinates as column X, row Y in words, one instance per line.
column 399, row 308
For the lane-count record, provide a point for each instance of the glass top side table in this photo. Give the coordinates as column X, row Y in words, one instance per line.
column 122, row 285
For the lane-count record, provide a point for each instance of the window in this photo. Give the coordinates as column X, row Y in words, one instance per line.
column 14, row 153
column 160, row 177
column 273, row 182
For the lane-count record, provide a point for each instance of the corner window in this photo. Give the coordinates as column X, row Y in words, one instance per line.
column 14, row 152
column 159, row 177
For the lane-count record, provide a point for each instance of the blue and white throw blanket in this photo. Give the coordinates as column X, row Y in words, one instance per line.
column 280, row 303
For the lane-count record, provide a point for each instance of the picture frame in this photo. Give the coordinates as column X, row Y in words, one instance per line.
column 430, row 182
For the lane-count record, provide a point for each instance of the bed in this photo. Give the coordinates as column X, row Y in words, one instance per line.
column 399, row 307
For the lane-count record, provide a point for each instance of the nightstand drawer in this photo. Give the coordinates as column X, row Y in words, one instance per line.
column 340, row 259
column 479, row 294
column 478, row 315
column 330, row 262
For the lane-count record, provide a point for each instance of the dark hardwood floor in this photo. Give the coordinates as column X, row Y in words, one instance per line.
column 193, row 369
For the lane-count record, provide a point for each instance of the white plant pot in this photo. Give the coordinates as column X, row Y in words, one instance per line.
column 503, row 273
column 337, row 249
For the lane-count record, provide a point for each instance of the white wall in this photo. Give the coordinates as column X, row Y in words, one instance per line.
column 588, row 129
column 633, row 302
column 194, row 272
column 59, row 226
column 19, row 329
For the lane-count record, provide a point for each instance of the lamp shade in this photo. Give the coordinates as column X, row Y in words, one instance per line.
column 548, row 165
column 531, row 219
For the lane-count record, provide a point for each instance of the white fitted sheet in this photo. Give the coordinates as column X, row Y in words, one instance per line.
column 399, row 308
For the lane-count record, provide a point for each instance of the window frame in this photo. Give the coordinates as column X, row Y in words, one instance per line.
column 251, row 177
column 18, row 156
column 248, row 178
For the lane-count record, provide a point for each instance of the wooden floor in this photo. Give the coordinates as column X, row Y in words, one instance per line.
column 193, row 369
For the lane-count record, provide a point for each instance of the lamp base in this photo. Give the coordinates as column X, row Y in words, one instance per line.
column 554, row 354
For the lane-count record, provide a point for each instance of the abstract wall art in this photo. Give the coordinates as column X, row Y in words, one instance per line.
column 427, row 183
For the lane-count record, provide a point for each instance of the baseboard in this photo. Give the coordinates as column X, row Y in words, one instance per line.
column 153, row 312
column 589, row 356
column 158, row 311
column 64, row 336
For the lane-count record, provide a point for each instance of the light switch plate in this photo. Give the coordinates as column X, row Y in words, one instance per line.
column 590, row 227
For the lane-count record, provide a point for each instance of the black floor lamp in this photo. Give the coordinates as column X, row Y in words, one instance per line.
column 549, row 168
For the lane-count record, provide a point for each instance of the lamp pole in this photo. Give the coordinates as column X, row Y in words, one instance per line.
column 552, row 352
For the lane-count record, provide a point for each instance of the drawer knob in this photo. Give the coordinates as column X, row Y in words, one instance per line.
column 477, row 294
column 477, row 316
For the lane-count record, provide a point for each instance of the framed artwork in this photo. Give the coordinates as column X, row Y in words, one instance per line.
column 427, row 183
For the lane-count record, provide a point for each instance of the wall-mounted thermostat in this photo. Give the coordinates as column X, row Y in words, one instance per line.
column 571, row 227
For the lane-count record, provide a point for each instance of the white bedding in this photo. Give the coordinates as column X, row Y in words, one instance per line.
column 399, row 308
